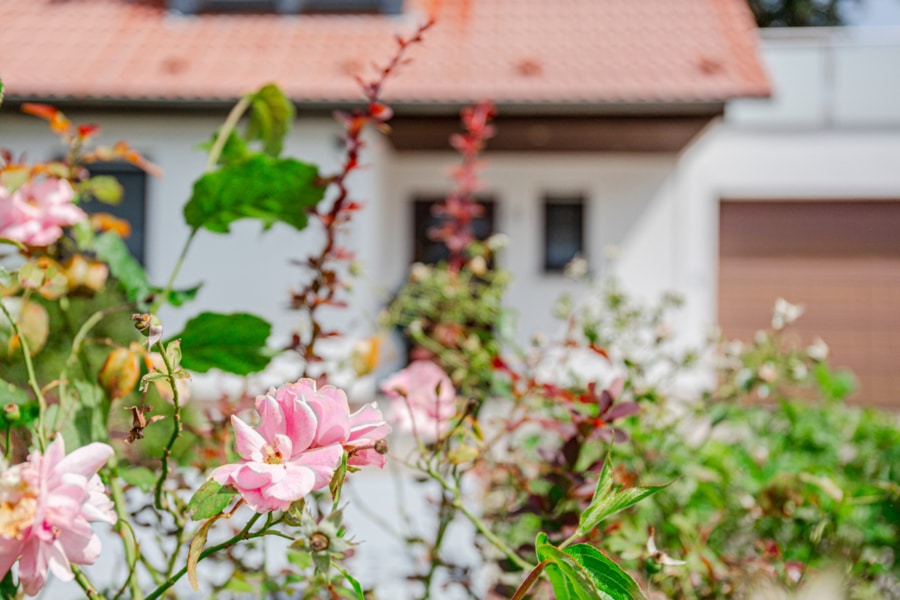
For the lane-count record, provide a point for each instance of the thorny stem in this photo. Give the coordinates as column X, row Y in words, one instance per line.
column 325, row 284
column 86, row 584
column 446, row 516
column 243, row 535
column 161, row 502
column 32, row 378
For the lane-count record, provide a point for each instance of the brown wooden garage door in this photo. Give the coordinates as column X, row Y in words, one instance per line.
column 840, row 259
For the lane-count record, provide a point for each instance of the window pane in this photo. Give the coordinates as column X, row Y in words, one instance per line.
column 428, row 251
column 132, row 206
column 563, row 233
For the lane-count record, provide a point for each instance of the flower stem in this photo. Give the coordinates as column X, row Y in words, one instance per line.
column 77, row 341
column 161, row 502
column 478, row 523
column 529, row 581
column 129, row 542
column 160, row 298
column 243, row 535
column 32, row 378
column 85, row 583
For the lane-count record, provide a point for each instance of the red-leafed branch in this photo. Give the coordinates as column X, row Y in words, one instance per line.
column 325, row 283
column 460, row 208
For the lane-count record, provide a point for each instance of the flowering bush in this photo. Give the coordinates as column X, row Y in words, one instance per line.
column 517, row 442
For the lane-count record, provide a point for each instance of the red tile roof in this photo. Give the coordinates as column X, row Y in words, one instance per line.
column 528, row 52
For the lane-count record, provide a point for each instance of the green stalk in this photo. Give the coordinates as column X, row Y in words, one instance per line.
column 176, row 433
column 86, row 584
column 478, row 523
column 77, row 342
column 215, row 152
column 243, row 535
column 130, row 543
column 32, row 378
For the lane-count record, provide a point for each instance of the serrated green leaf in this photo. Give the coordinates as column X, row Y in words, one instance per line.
column 140, row 477
column 105, row 188
column 110, row 248
column 609, row 579
column 264, row 188
column 609, row 498
column 235, row 343
column 568, row 579
column 210, row 500
column 271, row 114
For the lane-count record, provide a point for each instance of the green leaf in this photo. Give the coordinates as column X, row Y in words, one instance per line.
column 271, row 114
column 301, row 560
column 583, row 572
column 13, row 395
column 140, row 477
column 235, row 343
column 210, row 500
column 110, row 248
column 234, row 150
column 105, row 188
column 1, row 91
column 568, row 579
column 5, row 277
column 239, row 585
column 609, row 498
column 609, row 579
column 264, row 188
column 89, row 419
column 337, row 482
column 178, row 297
column 353, row 582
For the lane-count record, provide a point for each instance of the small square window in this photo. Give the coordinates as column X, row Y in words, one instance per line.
column 563, row 231
column 429, row 251
column 132, row 208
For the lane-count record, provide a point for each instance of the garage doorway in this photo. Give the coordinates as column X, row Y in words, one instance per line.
column 839, row 259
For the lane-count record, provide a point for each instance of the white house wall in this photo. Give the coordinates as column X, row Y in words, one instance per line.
column 831, row 130
column 247, row 270
column 629, row 212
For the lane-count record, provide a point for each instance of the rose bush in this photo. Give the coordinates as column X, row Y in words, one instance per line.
column 556, row 439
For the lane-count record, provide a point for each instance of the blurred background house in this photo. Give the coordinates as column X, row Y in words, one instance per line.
column 731, row 166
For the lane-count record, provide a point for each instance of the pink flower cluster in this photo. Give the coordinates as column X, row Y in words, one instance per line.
column 300, row 440
column 46, row 506
column 35, row 213
column 423, row 400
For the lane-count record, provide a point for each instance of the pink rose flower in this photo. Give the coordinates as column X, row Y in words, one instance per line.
column 423, row 400
column 36, row 212
column 46, row 506
column 298, row 445
column 357, row 432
